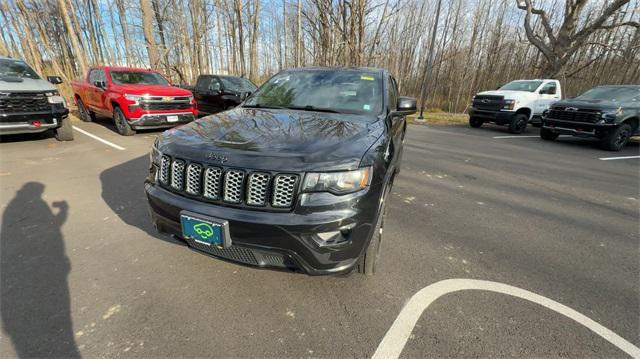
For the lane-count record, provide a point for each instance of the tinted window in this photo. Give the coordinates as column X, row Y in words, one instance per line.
column 203, row 82
column 607, row 93
column 528, row 86
column 138, row 78
column 348, row 91
column 97, row 75
column 237, row 84
column 16, row 68
column 549, row 89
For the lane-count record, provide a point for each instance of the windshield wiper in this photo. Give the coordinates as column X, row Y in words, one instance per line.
column 312, row 108
column 262, row 106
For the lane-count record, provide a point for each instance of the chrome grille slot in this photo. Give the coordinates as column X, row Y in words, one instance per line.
column 232, row 191
column 257, row 189
column 193, row 179
column 211, row 188
column 237, row 187
column 177, row 174
column 164, row 169
column 284, row 188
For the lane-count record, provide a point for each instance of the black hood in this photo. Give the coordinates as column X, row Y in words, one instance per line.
column 595, row 105
column 281, row 140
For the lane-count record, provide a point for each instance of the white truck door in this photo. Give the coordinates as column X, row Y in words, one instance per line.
column 548, row 93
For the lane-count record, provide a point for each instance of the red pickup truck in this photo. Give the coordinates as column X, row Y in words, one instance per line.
column 135, row 99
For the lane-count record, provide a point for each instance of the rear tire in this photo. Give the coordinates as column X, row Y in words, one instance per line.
column 518, row 124
column 616, row 139
column 548, row 135
column 475, row 122
column 64, row 132
column 122, row 125
column 83, row 112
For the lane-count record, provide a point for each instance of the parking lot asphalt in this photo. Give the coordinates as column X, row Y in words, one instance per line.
column 84, row 272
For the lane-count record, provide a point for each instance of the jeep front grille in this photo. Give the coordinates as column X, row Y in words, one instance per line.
column 577, row 115
column 229, row 185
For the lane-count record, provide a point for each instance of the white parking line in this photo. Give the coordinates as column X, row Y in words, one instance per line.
column 394, row 341
column 501, row 137
column 618, row 158
column 99, row 139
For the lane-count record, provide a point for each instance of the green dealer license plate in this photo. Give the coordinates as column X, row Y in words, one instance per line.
column 207, row 231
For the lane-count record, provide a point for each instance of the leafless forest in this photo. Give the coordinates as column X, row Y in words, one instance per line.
column 479, row 44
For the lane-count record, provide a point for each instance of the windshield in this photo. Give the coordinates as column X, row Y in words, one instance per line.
column 137, row 78
column 16, row 68
column 528, row 86
column 332, row 90
column 237, row 84
column 615, row 94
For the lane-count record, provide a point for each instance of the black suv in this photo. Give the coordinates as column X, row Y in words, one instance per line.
column 296, row 177
column 609, row 113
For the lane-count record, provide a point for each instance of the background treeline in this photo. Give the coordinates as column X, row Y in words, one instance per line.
column 479, row 44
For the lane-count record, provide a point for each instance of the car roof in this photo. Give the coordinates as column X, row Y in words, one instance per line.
column 335, row 68
column 635, row 87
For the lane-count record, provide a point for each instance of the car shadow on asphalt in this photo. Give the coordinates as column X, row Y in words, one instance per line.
column 24, row 137
column 123, row 192
column 35, row 304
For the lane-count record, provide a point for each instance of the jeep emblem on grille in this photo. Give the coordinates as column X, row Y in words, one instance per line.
column 167, row 98
column 217, row 157
column 570, row 109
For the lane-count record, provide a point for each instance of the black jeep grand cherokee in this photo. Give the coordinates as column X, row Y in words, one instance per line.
column 609, row 113
column 296, row 177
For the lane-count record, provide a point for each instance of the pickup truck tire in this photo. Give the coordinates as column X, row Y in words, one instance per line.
column 518, row 124
column 617, row 138
column 475, row 122
column 548, row 135
column 83, row 112
column 367, row 262
column 122, row 125
column 64, row 132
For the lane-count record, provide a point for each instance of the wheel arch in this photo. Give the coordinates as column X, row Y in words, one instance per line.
column 524, row 111
column 634, row 122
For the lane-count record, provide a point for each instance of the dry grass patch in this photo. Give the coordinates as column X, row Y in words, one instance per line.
column 440, row 118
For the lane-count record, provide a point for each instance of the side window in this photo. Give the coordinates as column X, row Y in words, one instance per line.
column 549, row 89
column 203, row 83
column 214, row 85
column 93, row 76
column 393, row 93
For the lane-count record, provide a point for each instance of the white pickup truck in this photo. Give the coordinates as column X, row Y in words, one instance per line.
column 515, row 104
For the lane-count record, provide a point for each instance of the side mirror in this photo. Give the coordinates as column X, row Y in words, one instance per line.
column 406, row 106
column 56, row 80
column 244, row 95
column 100, row 84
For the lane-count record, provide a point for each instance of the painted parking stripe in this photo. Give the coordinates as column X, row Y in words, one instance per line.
column 618, row 158
column 99, row 139
column 501, row 137
column 394, row 341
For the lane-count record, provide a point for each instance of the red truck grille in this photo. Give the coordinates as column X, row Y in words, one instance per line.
column 24, row 102
column 166, row 103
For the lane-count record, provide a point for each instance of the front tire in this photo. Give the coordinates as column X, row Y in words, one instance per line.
column 616, row 139
column 64, row 132
column 475, row 122
column 518, row 124
column 122, row 125
column 367, row 261
column 548, row 135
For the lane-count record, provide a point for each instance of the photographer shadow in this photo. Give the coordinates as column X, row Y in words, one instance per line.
column 34, row 292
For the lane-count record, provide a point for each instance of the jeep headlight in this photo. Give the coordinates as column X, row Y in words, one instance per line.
column 509, row 104
column 54, row 97
column 155, row 155
column 337, row 182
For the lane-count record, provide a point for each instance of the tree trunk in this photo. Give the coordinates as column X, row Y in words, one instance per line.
column 147, row 27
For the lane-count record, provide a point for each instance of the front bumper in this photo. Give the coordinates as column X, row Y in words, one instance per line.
column 497, row 117
column 32, row 122
column 580, row 129
column 160, row 120
column 278, row 239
